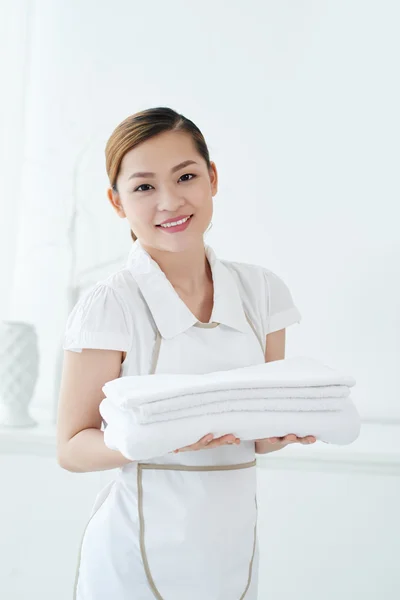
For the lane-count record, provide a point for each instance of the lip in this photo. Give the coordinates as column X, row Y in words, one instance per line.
column 174, row 219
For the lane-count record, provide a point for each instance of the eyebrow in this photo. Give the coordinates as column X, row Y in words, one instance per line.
column 181, row 165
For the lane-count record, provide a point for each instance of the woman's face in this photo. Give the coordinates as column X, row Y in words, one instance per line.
column 168, row 191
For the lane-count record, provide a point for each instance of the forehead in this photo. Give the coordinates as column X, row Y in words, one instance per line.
column 160, row 152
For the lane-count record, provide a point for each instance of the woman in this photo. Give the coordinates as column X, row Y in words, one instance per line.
column 180, row 526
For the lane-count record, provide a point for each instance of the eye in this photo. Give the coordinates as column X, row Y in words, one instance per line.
column 192, row 174
column 138, row 188
column 148, row 185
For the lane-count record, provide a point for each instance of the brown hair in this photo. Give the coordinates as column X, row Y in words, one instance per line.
column 142, row 126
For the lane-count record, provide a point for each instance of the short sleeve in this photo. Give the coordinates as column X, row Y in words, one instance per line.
column 100, row 319
column 281, row 310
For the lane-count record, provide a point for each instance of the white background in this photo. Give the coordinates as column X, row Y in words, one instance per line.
column 299, row 104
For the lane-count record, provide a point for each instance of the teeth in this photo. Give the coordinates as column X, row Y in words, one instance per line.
column 175, row 223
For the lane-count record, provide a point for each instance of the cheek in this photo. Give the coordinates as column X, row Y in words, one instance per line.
column 141, row 213
column 201, row 197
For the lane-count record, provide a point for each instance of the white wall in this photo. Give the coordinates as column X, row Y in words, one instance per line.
column 299, row 104
column 15, row 29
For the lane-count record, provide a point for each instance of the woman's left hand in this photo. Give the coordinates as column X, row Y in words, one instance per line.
column 276, row 443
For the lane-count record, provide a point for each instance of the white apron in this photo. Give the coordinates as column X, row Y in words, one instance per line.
column 181, row 526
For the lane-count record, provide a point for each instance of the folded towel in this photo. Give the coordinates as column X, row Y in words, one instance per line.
column 151, row 415
column 145, row 415
column 142, row 442
column 297, row 372
column 189, row 405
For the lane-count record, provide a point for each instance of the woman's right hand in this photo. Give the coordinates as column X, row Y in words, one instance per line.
column 208, row 442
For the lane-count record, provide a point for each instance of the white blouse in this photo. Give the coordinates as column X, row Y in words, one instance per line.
column 122, row 311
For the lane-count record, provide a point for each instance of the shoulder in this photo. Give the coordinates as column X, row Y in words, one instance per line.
column 256, row 278
column 102, row 315
column 111, row 293
column 249, row 274
column 268, row 291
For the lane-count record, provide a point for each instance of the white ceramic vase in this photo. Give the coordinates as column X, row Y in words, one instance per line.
column 19, row 369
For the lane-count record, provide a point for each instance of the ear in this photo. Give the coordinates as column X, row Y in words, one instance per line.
column 115, row 201
column 213, row 178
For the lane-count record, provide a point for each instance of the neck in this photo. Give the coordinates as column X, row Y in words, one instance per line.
column 188, row 271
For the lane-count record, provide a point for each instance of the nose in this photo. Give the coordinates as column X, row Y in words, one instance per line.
column 170, row 201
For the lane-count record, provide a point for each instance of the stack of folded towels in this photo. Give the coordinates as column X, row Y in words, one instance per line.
column 150, row 415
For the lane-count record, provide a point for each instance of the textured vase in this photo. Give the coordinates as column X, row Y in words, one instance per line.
column 19, row 369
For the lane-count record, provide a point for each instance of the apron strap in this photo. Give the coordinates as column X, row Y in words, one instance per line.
column 255, row 331
column 156, row 353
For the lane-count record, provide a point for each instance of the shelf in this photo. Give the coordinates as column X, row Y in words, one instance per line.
column 377, row 450
column 39, row 440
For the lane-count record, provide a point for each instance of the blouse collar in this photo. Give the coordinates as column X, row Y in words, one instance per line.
column 170, row 313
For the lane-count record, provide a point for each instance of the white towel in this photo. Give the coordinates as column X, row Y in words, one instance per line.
column 150, row 415
column 143, row 442
column 307, row 374
column 146, row 414
column 329, row 398
column 187, row 405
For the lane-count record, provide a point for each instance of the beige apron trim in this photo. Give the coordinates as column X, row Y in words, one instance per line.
column 81, row 544
column 156, row 353
column 251, row 562
column 141, row 535
column 140, row 468
column 255, row 332
column 252, row 556
column 168, row 467
column 207, row 325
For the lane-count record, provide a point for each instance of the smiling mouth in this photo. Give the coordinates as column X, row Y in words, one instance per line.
column 175, row 223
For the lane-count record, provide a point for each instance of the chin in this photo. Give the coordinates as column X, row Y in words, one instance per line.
column 182, row 244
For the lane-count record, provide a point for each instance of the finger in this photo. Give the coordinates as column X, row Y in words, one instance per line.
column 219, row 442
column 206, row 439
column 229, row 437
column 198, row 445
column 291, row 437
column 309, row 439
column 205, row 442
column 225, row 439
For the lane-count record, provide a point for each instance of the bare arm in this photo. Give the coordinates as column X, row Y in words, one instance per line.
column 275, row 350
column 80, row 441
